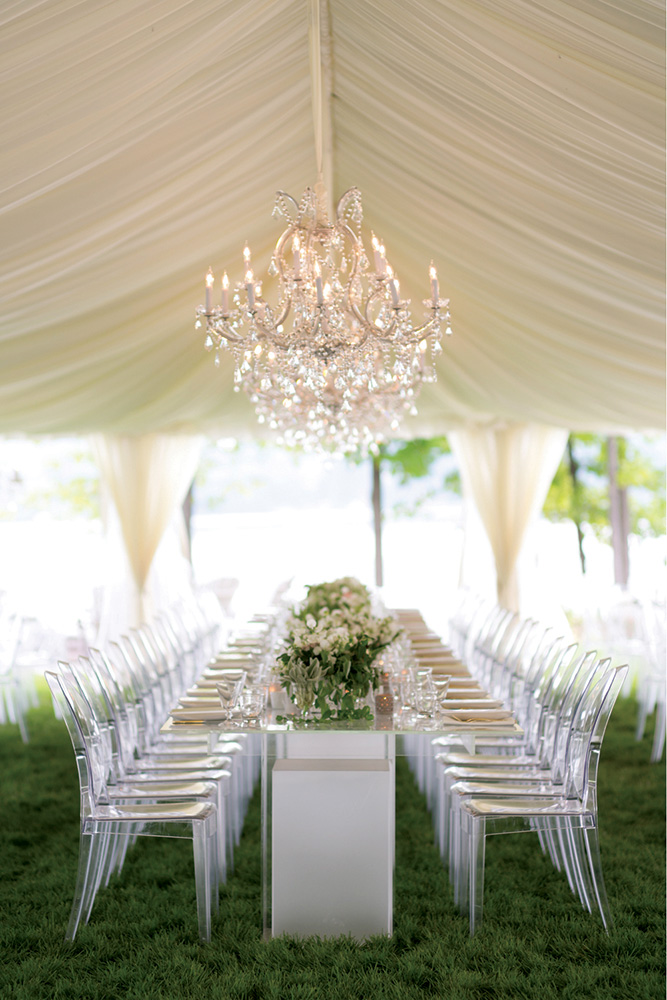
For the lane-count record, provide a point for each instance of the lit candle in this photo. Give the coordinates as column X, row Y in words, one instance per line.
column 225, row 294
column 377, row 256
column 393, row 287
column 318, row 284
column 246, row 258
column 209, row 290
column 296, row 250
column 435, row 292
column 250, row 289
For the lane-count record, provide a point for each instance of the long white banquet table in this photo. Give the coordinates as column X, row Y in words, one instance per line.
column 328, row 812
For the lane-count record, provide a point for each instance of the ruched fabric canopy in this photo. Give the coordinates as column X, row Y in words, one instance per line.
column 517, row 143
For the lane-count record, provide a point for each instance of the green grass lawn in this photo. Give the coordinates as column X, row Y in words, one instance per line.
column 141, row 942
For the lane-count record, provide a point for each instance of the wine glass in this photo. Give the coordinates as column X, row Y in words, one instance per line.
column 230, row 693
column 227, row 697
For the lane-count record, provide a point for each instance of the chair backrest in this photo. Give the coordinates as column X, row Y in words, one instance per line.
column 90, row 763
column 138, row 646
column 588, row 729
column 124, row 652
column 527, row 660
column 559, row 702
column 589, row 672
column 537, row 700
column 490, row 640
column 468, row 609
column 504, row 667
column 134, row 706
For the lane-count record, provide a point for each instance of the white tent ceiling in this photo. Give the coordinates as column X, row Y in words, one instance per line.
column 518, row 143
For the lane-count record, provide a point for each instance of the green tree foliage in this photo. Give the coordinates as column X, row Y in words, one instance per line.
column 580, row 489
column 414, row 459
column 73, row 489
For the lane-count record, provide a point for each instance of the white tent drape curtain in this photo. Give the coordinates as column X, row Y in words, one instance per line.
column 147, row 478
column 506, row 472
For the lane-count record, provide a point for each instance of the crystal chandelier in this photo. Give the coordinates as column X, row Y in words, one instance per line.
column 336, row 357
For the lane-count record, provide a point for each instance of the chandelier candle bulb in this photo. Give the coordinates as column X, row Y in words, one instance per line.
column 296, row 250
column 318, row 284
column 209, row 291
column 394, row 288
column 250, row 289
column 435, row 291
column 225, row 294
column 377, row 256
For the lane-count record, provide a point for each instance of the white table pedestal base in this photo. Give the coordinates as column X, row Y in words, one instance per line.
column 332, row 847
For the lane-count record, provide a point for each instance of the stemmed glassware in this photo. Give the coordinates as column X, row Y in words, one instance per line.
column 230, row 692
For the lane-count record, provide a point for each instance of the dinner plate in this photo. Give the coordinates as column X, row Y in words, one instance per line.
column 450, row 704
column 187, row 701
column 199, row 714
column 474, row 715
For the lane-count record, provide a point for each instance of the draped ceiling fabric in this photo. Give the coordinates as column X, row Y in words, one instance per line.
column 519, row 144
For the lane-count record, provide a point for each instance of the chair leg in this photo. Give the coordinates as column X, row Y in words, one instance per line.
column 659, row 735
column 86, row 883
column 201, row 839
column 576, row 864
column 597, row 879
column 476, row 857
column 642, row 715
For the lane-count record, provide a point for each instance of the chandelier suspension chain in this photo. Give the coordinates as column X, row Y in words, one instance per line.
column 321, row 73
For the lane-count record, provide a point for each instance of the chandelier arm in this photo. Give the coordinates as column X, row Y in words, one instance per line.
column 216, row 326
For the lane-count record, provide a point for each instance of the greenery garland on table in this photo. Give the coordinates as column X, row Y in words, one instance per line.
column 331, row 647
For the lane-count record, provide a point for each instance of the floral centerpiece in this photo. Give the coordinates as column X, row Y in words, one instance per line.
column 331, row 645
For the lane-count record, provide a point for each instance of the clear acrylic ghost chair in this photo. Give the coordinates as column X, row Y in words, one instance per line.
column 460, row 620
column 467, row 625
column 125, row 784
column 527, row 665
column 557, row 665
column 153, row 704
column 545, row 777
column 486, row 641
column 143, row 752
column 571, row 816
column 142, row 756
column 103, row 822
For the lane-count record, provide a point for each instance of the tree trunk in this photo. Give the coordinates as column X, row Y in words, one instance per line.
column 618, row 515
column 574, row 472
column 376, row 498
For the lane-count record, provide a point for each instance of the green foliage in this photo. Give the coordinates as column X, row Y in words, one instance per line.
column 243, row 486
column 413, row 459
column 535, row 942
column 70, row 496
column 580, row 489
